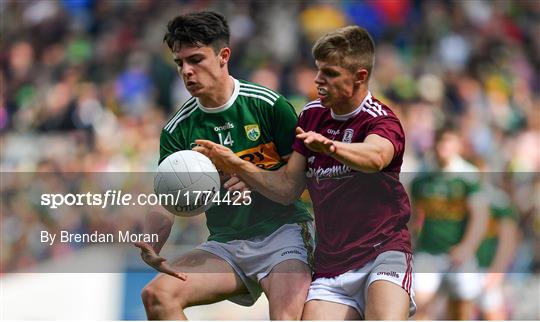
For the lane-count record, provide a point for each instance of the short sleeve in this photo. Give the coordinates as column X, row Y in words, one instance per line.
column 389, row 128
column 168, row 144
column 507, row 211
column 501, row 205
column 283, row 124
column 298, row 144
column 473, row 184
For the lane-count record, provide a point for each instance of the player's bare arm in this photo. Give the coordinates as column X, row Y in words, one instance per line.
column 508, row 236
column 372, row 155
column 223, row 158
column 508, row 240
column 475, row 231
column 160, row 223
column 284, row 185
column 316, row 142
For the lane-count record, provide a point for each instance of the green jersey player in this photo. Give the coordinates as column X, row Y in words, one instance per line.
column 263, row 246
column 256, row 123
column 454, row 218
column 443, row 200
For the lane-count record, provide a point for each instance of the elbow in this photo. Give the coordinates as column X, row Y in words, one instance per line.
column 285, row 202
column 379, row 164
column 290, row 197
column 376, row 163
column 287, row 199
column 290, row 190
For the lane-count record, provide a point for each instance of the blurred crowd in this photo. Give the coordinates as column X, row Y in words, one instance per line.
column 86, row 86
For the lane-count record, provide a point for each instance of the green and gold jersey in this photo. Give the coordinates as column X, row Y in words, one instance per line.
column 257, row 124
column 443, row 197
column 500, row 209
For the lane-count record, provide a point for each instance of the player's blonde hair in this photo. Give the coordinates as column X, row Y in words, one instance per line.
column 350, row 47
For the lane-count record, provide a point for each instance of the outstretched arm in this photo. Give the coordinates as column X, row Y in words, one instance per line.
column 284, row 185
column 372, row 155
column 159, row 222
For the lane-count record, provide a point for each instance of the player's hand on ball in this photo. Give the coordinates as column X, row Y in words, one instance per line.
column 223, row 158
column 150, row 256
column 316, row 142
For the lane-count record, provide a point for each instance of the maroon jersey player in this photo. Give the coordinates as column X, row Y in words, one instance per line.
column 348, row 150
column 358, row 215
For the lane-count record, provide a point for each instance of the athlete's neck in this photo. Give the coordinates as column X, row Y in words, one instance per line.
column 351, row 104
column 220, row 95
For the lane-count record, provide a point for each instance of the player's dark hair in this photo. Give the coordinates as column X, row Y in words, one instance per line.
column 350, row 47
column 205, row 28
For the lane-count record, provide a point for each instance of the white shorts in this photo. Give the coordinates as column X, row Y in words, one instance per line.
column 253, row 259
column 434, row 271
column 351, row 288
column 492, row 298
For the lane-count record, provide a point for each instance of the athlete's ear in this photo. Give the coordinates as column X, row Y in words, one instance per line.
column 361, row 76
column 224, row 55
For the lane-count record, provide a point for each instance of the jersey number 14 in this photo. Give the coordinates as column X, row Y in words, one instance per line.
column 228, row 139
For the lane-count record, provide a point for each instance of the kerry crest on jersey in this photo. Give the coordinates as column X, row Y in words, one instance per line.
column 253, row 132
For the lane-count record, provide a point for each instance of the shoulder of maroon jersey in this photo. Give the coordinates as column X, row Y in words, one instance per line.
column 376, row 108
column 313, row 106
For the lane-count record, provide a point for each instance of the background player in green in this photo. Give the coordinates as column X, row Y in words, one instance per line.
column 453, row 218
column 496, row 251
column 249, row 247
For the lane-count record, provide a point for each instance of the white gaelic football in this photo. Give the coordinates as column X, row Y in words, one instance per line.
column 186, row 182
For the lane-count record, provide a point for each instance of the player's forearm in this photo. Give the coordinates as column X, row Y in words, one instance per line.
column 279, row 186
column 159, row 222
column 473, row 235
column 364, row 157
column 506, row 246
column 477, row 225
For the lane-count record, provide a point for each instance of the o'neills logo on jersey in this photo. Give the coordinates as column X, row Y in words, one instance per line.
column 328, row 173
column 332, row 132
column 226, row 126
column 389, row 274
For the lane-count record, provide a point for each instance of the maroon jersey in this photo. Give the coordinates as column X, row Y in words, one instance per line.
column 357, row 215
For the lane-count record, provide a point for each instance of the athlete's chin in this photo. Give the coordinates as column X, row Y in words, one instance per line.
column 325, row 101
column 195, row 91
